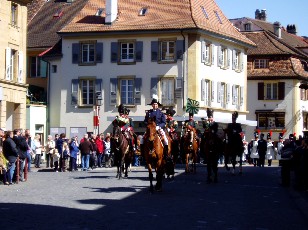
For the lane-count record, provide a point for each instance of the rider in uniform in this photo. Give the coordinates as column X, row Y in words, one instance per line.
column 160, row 120
column 209, row 124
column 189, row 126
column 171, row 124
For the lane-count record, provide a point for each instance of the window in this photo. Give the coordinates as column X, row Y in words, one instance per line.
column 206, row 92
column 14, row 15
column 167, row 91
column 222, row 94
column 11, row 64
column 204, row 12
column 207, row 52
column 271, row 90
column 223, row 57
column 127, row 91
column 99, row 12
column 270, row 120
column 247, row 27
column 238, row 62
column 218, row 17
column 38, row 67
column 261, row 63
column 54, row 68
column 84, row 91
column 143, row 11
column 237, row 96
column 167, row 50
column 127, row 52
column 87, row 53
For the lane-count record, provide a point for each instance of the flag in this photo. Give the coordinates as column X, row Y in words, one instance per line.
column 192, row 106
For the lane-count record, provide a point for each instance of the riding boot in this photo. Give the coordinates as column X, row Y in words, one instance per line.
column 165, row 152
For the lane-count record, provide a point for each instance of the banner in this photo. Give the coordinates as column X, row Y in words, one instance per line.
column 192, row 106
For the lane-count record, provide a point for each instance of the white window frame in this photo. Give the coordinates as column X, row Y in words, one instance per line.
column 87, row 92
column 271, row 90
column 88, row 53
column 222, row 94
column 127, row 51
column 167, row 50
column 167, row 88
column 127, row 90
column 206, row 92
column 223, row 57
column 206, row 52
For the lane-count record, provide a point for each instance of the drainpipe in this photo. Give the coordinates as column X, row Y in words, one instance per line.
column 183, row 68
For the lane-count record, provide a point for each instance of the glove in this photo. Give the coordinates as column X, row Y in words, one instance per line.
column 157, row 128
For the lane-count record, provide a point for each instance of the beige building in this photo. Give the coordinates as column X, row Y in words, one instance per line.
column 13, row 89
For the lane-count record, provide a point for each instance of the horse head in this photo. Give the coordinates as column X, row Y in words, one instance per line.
column 116, row 133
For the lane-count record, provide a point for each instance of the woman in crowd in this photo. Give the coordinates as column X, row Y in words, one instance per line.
column 50, row 148
column 100, row 149
column 11, row 153
column 3, row 169
column 38, row 151
column 107, row 151
column 66, row 155
column 74, row 151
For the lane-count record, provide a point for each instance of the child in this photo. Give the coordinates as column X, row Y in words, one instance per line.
column 56, row 157
column 66, row 154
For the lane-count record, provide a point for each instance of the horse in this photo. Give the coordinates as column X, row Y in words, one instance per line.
column 153, row 149
column 191, row 150
column 233, row 147
column 174, row 154
column 212, row 147
column 123, row 156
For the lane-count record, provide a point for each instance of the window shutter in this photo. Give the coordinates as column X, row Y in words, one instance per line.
column 213, row 91
column 281, row 90
column 203, row 90
column 139, row 51
column 219, row 56
column 260, row 91
column 178, row 87
column 228, row 93
column 154, row 51
column 114, row 52
column 75, row 53
column 138, row 83
column 74, row 99
column 202, row 51
column 233, row 59
column 154, row 82
column 99, row 52
column 303, row 94
column 212, row 53
column 233, row 94
column 20, row 66
column 228, row 58
column 98, row 85
column 241, row 57
column 8, row 63
column 242, row 95
column 179, row 49
column 218, row 92
column 113, row 91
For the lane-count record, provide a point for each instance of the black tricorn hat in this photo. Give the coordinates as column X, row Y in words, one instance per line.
column 155, row 100
column 121, row 109
column 170, row 112
column 191, row 114
column 209, row 112
column 235, row 115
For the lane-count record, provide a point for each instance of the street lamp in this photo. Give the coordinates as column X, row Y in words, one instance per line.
column 98, row 103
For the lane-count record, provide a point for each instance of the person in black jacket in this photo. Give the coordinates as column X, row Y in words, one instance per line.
column 22, row 147
column 11, row 153
column 262, row 147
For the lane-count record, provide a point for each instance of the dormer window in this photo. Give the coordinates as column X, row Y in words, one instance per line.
column 247, row 26
column 58, row 14
column 99, row 12
column 143, row 11
column 218, row 17
column 204, row 12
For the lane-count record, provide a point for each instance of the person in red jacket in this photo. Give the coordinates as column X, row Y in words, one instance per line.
column 100, row 149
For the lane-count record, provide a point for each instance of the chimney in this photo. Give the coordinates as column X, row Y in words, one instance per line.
column 111, row 11
column 260, row 15
column 277, row 29
column 291, row 29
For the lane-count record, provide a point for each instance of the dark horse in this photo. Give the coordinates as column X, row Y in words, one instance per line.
column 233, row 147
column 212, row 147
column 122, row 154
column 191, row 150
column 153, row 152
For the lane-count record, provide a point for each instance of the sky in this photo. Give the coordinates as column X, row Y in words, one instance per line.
column 285, row 12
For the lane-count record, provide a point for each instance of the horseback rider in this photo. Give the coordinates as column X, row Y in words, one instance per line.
column 209, row 124
column 126, row 124
column 171, row 124
column 160, row 120
column 190, row 127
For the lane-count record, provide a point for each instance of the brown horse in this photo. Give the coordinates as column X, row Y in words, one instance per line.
column 153, row 152
column 191, row 150
column 122, row 154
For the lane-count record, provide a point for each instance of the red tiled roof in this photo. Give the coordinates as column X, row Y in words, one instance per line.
column 161, row 15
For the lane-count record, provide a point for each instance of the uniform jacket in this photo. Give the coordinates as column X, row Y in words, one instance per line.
column 160, row 117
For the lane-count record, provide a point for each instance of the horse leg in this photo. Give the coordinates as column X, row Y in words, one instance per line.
column 241, row 166
column 151, row 180
column 187, row 163
column 209, row 170
column 226, row 162
column 233, row 161
column 195, row 163
column 159, row 179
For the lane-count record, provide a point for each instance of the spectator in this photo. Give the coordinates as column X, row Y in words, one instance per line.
column 50, row 148
column 270, row 152
column 85, row 148
column 262, row 147
column 22, row 147
column 107, row 152
column 93, row 156
column 74, row 151
column 31, row 149
column 59, row 147
column 100, row 149
column 3, row 169
column 11, row 153
column 56, row 157
column 38, row 151
column 65, row 156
